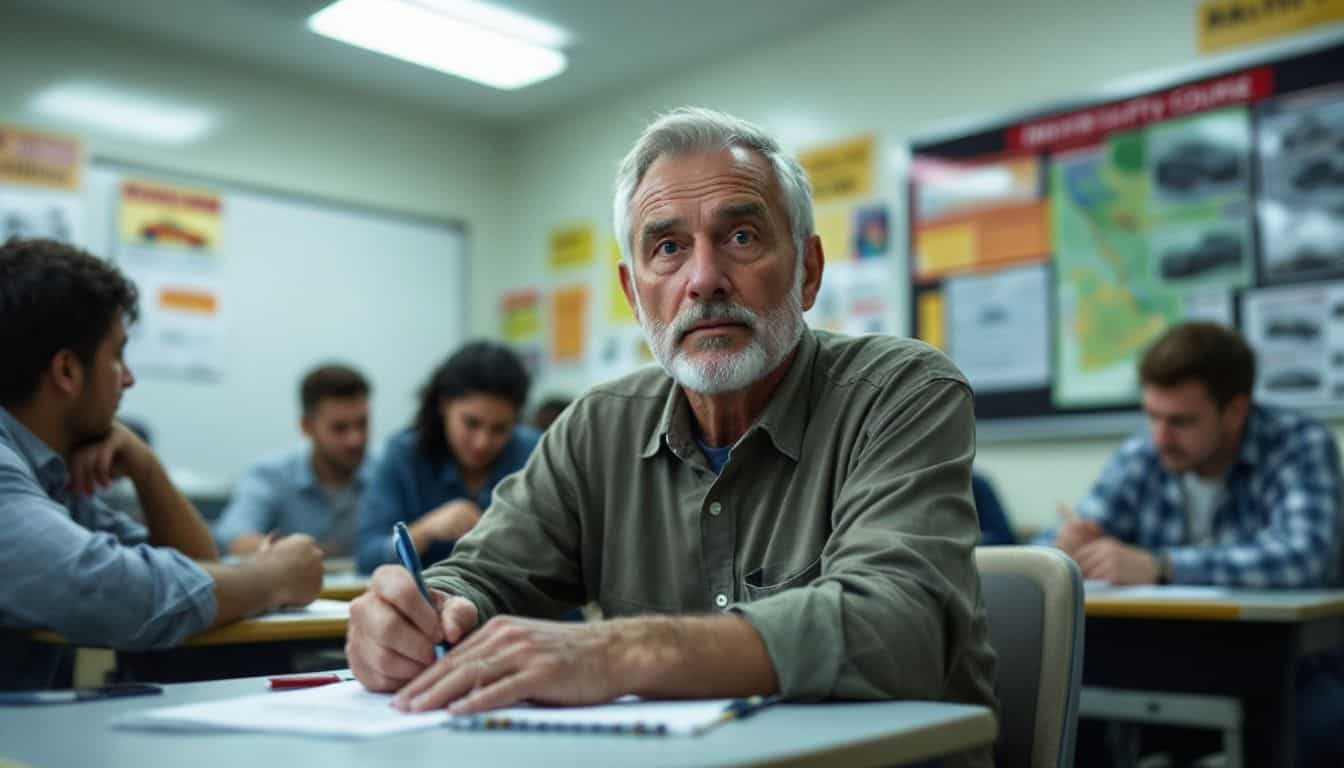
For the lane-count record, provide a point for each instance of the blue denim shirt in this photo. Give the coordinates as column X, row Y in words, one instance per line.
column 281, row 493
column 71, row 564
column 1278, row 525
column 404, row 486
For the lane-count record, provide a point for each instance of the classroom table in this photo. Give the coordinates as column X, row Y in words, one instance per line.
column 840, row 734
column 1235, row 645
column 261, row 645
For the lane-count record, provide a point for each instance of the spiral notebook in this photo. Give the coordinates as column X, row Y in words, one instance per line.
column 347, row 710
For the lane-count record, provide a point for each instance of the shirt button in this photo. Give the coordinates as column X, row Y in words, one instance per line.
column 721, row 600
column 715, row 508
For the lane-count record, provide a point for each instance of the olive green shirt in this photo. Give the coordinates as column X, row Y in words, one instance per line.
column 841, row 527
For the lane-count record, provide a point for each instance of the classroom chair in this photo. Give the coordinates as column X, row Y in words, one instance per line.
column 1034, row 601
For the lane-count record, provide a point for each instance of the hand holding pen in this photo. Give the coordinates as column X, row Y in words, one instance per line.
column 410, row 560
column 395, row 626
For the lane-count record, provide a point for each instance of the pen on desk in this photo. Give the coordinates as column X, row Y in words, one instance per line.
column 405, row 548
column 305, row 681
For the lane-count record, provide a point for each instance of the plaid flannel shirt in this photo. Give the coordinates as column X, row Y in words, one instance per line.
column 1278, row 525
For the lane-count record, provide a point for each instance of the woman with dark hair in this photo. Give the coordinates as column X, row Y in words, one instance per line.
column 437, row 475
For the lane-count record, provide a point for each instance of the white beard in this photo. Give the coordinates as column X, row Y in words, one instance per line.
column 774, row 337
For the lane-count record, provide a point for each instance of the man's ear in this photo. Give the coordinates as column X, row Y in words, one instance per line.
column 66, row 373
column 1236, row 411
column 814, row 262
column 628, row 287
column 306, row 424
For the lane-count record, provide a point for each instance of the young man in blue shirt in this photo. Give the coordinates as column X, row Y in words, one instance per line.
column 315, row 489
column 68, row 562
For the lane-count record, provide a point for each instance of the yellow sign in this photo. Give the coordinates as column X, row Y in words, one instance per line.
column 569, row 312
column 1230, row 23
column 841, row 171
column 571, row 247
column 38, row 159
column 520, row 315
column 834, row 224
column 161, row 215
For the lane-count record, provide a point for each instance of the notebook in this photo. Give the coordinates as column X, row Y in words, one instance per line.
column 348, row 710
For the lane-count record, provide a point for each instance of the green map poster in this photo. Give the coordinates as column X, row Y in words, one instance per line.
column 1143, row 225
column 1110, row 303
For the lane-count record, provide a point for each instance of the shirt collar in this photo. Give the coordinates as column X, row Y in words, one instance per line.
column 780, row 419
column 47, row 465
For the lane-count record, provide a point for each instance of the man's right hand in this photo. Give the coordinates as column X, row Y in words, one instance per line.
column 293, row 565
column 1076, row 532
column 393, row 630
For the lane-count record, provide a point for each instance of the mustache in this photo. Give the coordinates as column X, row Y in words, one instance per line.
column 712, row 312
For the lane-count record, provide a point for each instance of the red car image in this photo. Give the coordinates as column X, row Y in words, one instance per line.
column 170, row 232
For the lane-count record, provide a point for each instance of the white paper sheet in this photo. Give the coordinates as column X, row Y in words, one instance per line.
column 347, row 710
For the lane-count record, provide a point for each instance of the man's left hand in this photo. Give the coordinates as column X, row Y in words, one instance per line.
column 512, row 659
column 120, row 454
column 1109, row 560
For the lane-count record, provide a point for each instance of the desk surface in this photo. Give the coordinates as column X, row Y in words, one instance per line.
column 884, row 733
column 344, row 585
column 319, row 620
column 1213, row 603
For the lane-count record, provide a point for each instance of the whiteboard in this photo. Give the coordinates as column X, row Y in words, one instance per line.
column 302, row 281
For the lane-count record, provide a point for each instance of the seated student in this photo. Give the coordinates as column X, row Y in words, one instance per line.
column 1218, row 491
column 437, row 475
column 68, row 562
column 995, row 530
column 777, row 510
column 548, row 411
column 315, row 489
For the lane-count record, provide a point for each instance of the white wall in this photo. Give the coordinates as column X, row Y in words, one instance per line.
column 899, row 70
column 278, row 132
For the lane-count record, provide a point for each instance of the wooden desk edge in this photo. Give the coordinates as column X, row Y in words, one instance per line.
column 245, row 631
column 343, row 592
column 1151, row 609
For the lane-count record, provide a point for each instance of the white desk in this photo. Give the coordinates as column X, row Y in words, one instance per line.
column 869, row 734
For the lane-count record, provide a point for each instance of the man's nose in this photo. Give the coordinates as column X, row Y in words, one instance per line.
column 708, row 281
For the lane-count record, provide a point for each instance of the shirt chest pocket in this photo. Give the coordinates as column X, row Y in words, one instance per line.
column 773, row 578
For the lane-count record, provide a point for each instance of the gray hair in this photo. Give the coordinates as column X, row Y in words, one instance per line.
column 694, row 129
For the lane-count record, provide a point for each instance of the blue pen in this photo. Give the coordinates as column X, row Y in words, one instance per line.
column 405, row 547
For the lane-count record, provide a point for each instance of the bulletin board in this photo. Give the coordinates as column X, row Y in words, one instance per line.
column 1048, row 250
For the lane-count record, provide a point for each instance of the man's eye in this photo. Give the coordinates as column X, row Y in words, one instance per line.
column 743, row 237
column 667, row 248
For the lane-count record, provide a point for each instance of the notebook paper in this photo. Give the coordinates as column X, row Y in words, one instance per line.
column 347, row 710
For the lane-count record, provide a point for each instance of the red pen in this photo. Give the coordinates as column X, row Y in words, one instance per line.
column 304, row 681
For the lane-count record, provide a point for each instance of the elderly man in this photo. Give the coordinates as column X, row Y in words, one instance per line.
column 782, row 511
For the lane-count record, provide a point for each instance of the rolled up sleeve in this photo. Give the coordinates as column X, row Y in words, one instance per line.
column 88, row 585
column 897, row 599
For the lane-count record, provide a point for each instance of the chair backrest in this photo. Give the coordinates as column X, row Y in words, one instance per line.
column 1034, row 601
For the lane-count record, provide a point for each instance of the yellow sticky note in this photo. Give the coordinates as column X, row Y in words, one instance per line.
column 940, row 250
column 571, row 247
column 932, row 319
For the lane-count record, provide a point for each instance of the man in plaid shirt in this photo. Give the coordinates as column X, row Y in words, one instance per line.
column 1219, row 492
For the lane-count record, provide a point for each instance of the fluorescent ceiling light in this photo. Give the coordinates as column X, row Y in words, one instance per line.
column 131, row 114
column 501, row 20
column 430, row 34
